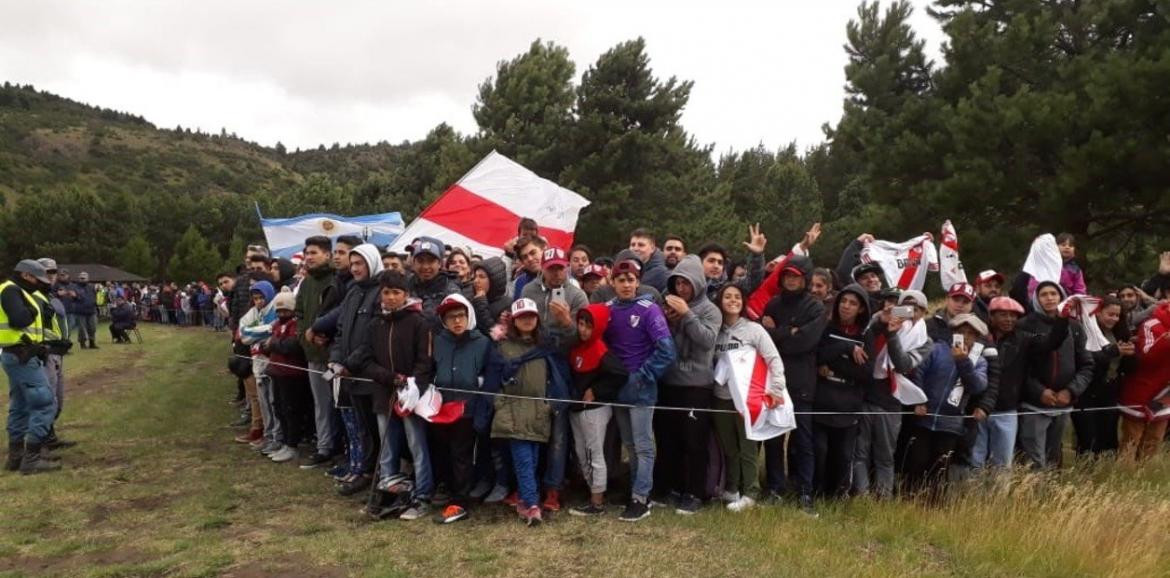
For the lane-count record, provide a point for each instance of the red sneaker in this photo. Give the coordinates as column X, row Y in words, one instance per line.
column 250, row 437
column 532, row 516
column 513, row 499
column 552, row 501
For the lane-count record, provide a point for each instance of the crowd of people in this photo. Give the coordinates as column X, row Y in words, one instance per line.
column 443, row 378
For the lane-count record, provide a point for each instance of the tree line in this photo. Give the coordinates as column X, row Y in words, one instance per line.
column 1042, row 117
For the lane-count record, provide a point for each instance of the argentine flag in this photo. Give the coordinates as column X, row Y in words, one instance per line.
column 286, row 237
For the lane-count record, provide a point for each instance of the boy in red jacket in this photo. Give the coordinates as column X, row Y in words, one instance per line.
column 293, row 398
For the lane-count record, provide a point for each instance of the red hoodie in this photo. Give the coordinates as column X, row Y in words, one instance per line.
column 285, row 349
column 1152, row 376
column 587, row 355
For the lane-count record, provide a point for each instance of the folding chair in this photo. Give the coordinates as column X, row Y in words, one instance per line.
column 137, row 335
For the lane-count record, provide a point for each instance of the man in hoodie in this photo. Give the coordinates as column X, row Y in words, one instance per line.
column 681, row 467
column 256, row 326
column 557, row 302
column 429, row 284
column 489, row 284
column 795, row 320
column 348, row 355
column 654, row 269
column 1055, row 380
column 639, row 335
column 315, row 289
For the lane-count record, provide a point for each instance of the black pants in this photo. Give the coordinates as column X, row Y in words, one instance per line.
column 294, row 407
column 928, row 455
column 1096, row 431
column 801, row 454
column 456, row 443
column 681, row 461
column 834, row 454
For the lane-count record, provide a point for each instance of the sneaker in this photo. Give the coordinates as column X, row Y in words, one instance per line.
column 451, row 514
column 243, row 421
column 636, row 510
column 315, row 461
column 806, row 506
column 282, row 455
column 258, row 444
column 248, row 437
column 271, row 447
column 354, row 485
column 743, row 503
column 531, row 516
column 552, row 501
column 773, row 497
column 497, row 495
column 417, row 510
column 338, row 472
column 481, row 489
column 729, row 497
column 513, row 499
column 589, row 509
column 687, row 505
column 666, row 501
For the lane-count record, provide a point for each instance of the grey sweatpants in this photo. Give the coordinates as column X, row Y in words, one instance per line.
column 55, row 371
column 1041, row 436
column 322, row 408
column 589, row 437
column 877, row 438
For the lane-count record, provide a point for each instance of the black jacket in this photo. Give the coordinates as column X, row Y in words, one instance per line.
column 488, row 309
column 400, row 343
column 800, row 321
column 605, row 381
column 844, row 389
column 1015, row 351
column 431, row 293
column 1068, row 366
column 351, row 342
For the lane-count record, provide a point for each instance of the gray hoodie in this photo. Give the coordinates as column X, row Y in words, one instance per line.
column 694, row 334
column 745, row 333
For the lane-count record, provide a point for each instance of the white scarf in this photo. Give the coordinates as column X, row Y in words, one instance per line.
column 911, row 335
column 1044, row 262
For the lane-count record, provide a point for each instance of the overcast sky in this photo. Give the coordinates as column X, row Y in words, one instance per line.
column 309, row 73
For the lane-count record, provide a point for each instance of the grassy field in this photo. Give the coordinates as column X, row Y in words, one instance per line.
column 157, row 488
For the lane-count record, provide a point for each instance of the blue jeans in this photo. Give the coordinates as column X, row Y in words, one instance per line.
column 557, row 452
column 524, row 457
column 406, row 432
column 31, row 404
column 636, row 427
column 995, row 440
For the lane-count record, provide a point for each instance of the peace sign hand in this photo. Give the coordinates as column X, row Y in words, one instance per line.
column 758, row 242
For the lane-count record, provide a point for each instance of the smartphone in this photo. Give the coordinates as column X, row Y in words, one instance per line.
column 558, row 294
column 903, row 311
column 957, row 340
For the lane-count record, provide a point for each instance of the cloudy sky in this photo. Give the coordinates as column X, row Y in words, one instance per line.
column 307, row 73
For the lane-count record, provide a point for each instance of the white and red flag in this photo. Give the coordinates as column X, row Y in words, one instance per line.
column 950, row 269
column 483, row 209
column 904, row 264
column 746, row 374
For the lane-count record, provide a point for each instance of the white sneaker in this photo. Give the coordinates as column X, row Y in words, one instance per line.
column 282, row 455
column 743, row 503
column 270, row 447
column 729, row 497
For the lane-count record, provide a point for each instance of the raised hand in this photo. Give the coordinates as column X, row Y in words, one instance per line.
column 757, row 241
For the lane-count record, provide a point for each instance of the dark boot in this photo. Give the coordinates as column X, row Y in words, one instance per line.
column 15, row 454
column 33, row 464
column 93, row 344
column 56, row 443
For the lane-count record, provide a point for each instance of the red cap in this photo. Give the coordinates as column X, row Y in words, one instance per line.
column 595, row 269
column 554, row 256
column 962, row 289
column 793, row 270
column 448, row 303
column 988, row 275
column 628, row 266
column 1005, row 304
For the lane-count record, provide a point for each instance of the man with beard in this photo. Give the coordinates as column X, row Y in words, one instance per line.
column 674, row 250
column 988, row 286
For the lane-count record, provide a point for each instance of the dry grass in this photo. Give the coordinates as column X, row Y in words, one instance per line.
column 156, row 488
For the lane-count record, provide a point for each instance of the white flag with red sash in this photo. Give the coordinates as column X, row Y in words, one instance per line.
column 904, row 264
column 745, row 373
column 950, row 266
column 483, row 209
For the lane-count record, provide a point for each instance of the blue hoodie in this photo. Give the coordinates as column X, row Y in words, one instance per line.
column 256, row 324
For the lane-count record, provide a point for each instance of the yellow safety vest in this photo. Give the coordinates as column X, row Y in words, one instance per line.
column 55, row 333
column 35, row 331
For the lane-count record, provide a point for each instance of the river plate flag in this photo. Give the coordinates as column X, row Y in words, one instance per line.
column 287, row 236
column 483, row 209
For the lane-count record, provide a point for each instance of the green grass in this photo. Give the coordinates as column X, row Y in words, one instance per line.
column 157, row 488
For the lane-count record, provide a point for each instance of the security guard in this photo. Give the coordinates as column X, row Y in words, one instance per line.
column 23, row 319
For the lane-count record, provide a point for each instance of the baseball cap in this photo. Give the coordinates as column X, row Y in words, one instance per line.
column 793, row 270
column 628, row 266
column 524, row 306
column 49, row 264
column 428, row 245
column 448, row 303
column 988, row 275
column 595, row 269
column 32, row 268
column 553, row 257
column 1005, row 303
column 969, row 319
column 913, row 297
column 962, row 290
